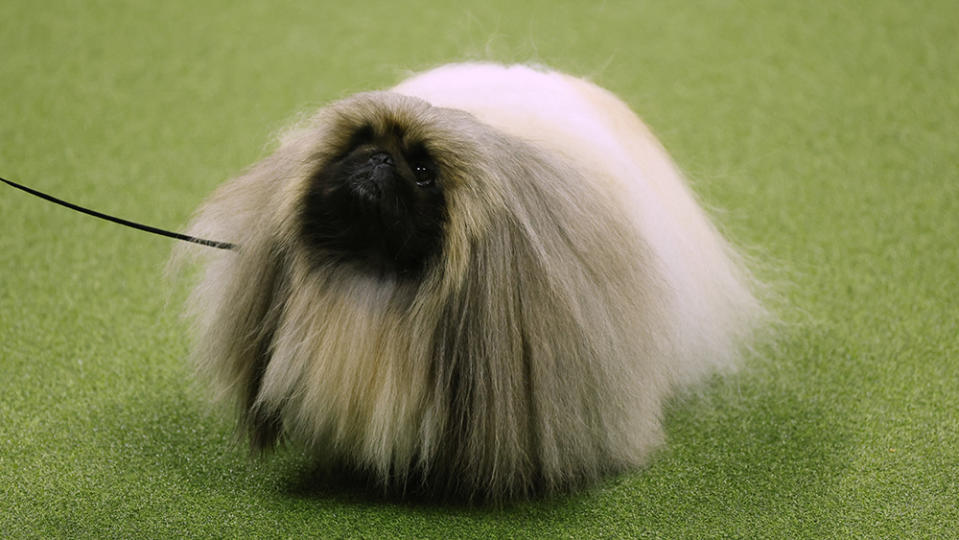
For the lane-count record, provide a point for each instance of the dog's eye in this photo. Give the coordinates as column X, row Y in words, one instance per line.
column 425, row 174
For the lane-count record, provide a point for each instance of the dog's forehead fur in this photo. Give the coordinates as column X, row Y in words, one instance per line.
column 453, row 138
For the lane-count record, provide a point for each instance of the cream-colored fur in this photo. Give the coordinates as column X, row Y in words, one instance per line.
column 579, row 285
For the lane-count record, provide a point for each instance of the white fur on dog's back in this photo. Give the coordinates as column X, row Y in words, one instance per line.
column 713, row 308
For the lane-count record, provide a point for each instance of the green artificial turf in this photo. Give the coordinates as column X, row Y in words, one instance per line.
column 824, row 131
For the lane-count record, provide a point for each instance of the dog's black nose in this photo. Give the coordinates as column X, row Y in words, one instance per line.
column 381, row 158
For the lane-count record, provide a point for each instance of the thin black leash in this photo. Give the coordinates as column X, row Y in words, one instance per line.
column 132, row 224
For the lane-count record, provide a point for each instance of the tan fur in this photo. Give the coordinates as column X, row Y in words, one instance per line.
column 579, row 286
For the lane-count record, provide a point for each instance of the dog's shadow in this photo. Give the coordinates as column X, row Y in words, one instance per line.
column 309, row 481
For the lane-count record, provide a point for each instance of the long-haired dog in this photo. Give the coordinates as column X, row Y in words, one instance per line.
column 486, row 280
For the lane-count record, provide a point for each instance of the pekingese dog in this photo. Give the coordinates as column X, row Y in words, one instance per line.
column 484, row 281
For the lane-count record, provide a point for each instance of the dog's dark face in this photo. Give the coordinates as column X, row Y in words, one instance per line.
column 378, row 203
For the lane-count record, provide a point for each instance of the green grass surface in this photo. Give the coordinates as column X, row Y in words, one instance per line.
column 826, row 131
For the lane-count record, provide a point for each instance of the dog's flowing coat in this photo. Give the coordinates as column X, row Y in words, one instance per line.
column 573, row 284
